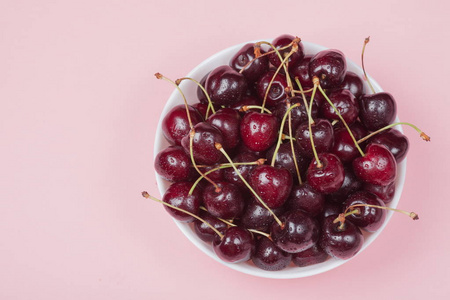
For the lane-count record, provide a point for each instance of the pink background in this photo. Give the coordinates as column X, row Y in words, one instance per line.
column 79, row 109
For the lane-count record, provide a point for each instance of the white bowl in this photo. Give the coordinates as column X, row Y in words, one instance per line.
column 190, row 90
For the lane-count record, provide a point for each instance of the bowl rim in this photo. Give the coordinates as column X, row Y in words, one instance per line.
column 248, row 268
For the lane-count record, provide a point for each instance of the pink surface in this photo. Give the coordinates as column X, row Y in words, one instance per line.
column 79, row 109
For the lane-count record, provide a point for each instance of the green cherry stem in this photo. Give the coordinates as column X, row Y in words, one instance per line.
column 291, row 141
column 210, row 105
column 310, row 122
column 248, row 107
column 423, row 135
column 366, row 41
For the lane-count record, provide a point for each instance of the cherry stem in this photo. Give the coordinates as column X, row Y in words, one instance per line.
column 281, row 130
column 310, row 122
column 210, row 105
column 224, row 166
column 248, row 107
column 160, row 76
column 340, row 117
column 146, row 195
column 291, row 140
column 220, row 148
column 287, row 137
column 412, row 215
column 304, row 99
column 301, row 91
column 366, row 41
column 424, row 136
column 341, row 217
column 258, row 55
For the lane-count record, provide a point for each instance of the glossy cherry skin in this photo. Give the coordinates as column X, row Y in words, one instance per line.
column 345, row 103
column 246, row 100
column 304, row 197
column 178, row 195
column 378, row 166
column 227, row 203
column 272, row 184
column 203, row 231
column 323, row 136
column 301, row 71
column 328, row 178
column 173, row 164
column 344, row 146
column 285, row 159
column 276, row 93
column 369, row 218
column 203, row 144
column 353, row 83
column 395, row 141
column 384, row 193
column 228, row 121
column 175, row 125
column 253, row 71
column 330, row 208
column 245, row 170
column 340, row 243
column 269, row 257
column 225, row 86
column 200, row 94
column 377, row 110
column 258, row 217
column 259, row 131
column 298, row 233
column 284, row 40
column 310, row 256
column 298, row 114
column 329, row 66
column 350, row 185
column 237, row 245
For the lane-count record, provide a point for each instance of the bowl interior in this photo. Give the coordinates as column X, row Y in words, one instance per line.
column 190, row 90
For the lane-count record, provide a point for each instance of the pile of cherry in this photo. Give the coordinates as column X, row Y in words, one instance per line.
column 283, row 158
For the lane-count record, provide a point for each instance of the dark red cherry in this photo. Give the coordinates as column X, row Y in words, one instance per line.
column 378, row 166
column 350, row 185
column 323, row 136
column 257, row 217
column 200, row 94
column 395, row 141
column 329, row 66
column 228, row 121
column 344, row 146
column 202, row 109
column 246, row 100
column 329, row 177
column 178, row 195
column 340, row 243
column 203, row 231
column 237, row 245
column 259, row 131
column 226, row 203
column 284, row 40
column 175, row 124
column 304, row 197
column 173, row 164
column 377, row 110
column 253, row 71
column 301, row 71
column 368, row 218
column 225, row 86
column 298, row 233
column 285, row 159
column 310, row 256
column 298, row 114
column 385, row 193
column 329, row 209
column 203, row 148
column 269, row 257
column 276, row 93
column 345, row 103
column 353, row 83
column 245, row 170
column 272, row 184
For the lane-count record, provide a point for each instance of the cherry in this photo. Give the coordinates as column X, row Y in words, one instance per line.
column 350, row 185
column 385, row 193
column 329, row 66
column 228, row 121
column 269, row 257
column 259, row 131
column 178, row 195
column 205, row 135
column 378, row 166
column 217, row 175
column 367, row 218
column 377, row 110
column 304, row 197
column 298, row 114
column 254, row 70
column 257, row 217
column 395, row 141
column 203, row 231
column 237, row 245
column 173, row 164
column 345, row 102
column 277, row 89
column 285, row 159
column 225, row 202
column 175, row 124
column 327, row 178
column 272, row 184
column 300, row 70
column 339, row 242
column 282, row 41
column 200, row 94
column 353, row 83
column 225, row 86
column 330, row 208
column 323, row 136
column 245, row 170
column 298, row 232
column 310, row 256
column 344, row 146
column 245, row 101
